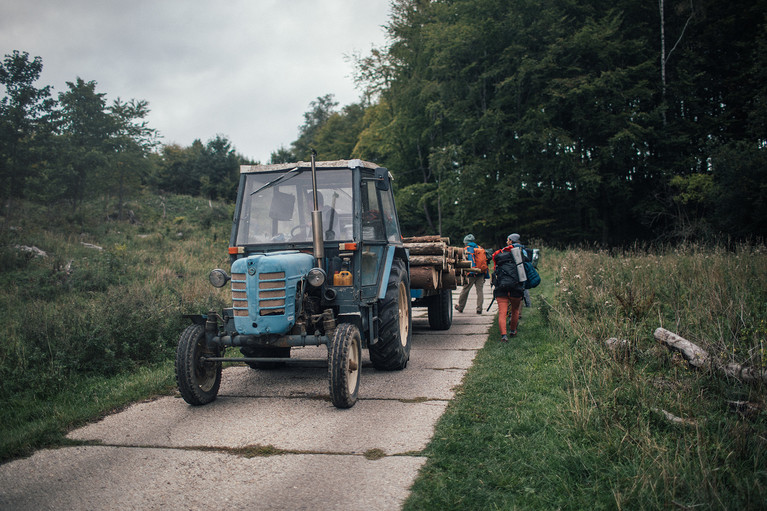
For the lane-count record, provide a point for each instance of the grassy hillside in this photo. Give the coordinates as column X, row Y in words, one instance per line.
column 86, row 297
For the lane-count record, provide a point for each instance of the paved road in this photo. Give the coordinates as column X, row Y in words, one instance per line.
column 164, row 454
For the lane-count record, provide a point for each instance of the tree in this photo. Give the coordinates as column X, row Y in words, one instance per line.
column 87, row 130
column 26, row 122
column 318, row 114
column 282, row 155
column 211, row 169
column 132, row 142
column 218, row 168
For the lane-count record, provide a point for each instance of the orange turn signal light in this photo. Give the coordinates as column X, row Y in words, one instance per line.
column 236, row 250
column 345, row 247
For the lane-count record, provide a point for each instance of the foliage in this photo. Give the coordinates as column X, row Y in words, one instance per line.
column 210, row 170
column 563, row 110
column 111, row 306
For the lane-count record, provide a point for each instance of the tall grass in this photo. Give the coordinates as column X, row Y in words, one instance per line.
column 716, row 456
column 81, row 311
column 556, row 419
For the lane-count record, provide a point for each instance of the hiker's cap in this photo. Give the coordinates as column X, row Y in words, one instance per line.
column 468, row 239
column 514, row 238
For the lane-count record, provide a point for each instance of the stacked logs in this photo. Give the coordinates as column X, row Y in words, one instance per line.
column 434, row 264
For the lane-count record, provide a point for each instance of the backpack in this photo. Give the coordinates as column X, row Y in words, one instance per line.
column 480, row 259
column 506, row 274
column 533, row 279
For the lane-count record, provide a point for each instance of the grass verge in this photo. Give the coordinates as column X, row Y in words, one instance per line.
column 556, row 420
column 30, row 423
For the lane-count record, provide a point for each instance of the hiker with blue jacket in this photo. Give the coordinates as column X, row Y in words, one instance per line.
column 478, row 259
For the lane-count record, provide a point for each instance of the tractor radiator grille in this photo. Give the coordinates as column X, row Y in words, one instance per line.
column 239, row 294
column 271, row 293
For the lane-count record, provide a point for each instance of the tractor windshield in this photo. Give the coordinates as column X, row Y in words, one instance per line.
column 277, row 207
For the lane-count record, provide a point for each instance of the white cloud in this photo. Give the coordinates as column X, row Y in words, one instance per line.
column 243, row 69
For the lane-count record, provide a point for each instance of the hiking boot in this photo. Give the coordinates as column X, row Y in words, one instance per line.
column 504, row 338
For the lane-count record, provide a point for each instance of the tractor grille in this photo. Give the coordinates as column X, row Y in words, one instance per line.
column 239, row 294
column 271, row 293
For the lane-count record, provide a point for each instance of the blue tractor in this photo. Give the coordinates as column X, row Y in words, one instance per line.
column 317, row 258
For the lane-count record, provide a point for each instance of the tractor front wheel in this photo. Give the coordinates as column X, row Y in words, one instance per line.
column 344, row 365
column 198, row 381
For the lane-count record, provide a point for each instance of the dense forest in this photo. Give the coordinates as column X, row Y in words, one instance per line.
column 570, row 121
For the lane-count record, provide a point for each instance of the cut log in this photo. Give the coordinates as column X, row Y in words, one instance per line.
column 427, row 248
column 423, row 277
column 426, row 239
column 428, row 260
column 694, row 354
column 449, row 280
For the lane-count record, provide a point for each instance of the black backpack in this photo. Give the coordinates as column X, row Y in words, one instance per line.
column 506, row 274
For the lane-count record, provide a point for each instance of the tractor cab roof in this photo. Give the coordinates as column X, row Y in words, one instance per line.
column 334, row 164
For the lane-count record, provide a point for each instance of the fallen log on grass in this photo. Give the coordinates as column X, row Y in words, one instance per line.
column 674, row 419
column 695, row 355
column 698, row 357
column 744, row 373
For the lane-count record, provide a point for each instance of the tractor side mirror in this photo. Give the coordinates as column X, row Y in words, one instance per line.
column 382, row 178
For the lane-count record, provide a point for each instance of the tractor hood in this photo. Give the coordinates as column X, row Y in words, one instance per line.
column 264, row 290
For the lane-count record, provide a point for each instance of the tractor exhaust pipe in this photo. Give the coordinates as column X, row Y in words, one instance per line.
column 318, row 239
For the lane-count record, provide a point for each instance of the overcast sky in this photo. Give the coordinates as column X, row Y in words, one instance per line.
column 244, row 69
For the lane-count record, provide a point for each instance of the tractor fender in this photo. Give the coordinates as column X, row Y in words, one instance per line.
column 197, row 319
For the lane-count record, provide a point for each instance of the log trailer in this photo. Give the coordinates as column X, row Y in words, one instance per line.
column 317, row 258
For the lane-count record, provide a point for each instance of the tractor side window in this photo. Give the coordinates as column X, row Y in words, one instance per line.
column 390, row 217
column 372, row 217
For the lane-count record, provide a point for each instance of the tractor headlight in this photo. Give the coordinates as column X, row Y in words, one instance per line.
column 218, row 278
column 316, row 277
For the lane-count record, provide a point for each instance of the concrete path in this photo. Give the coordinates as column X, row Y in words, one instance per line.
column 272, row 439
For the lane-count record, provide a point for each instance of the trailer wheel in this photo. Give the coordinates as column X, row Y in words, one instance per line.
column 392, row 351
column 198, row 382
column 344, row 365
column 441, row 310
column 264, row 352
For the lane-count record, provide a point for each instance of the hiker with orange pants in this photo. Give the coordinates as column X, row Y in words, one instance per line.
column 508, row 287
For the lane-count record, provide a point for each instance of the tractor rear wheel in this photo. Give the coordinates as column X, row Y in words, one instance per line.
column 198, row 381
column 392, row 351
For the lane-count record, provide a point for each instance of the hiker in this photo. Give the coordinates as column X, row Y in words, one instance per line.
column 509, row 289
column 478, row 259
column 516, row 241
